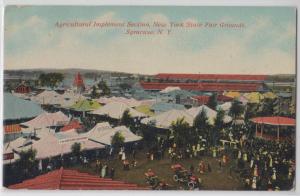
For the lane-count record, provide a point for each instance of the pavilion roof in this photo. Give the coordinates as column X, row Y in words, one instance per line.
column 275, row 120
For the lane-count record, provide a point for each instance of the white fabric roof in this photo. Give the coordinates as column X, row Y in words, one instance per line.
column 46, row 97
column 210, row 113
column 165, row 119
column 99, row 127
column 52, row 98
column 170, row 89
column 47, row 119
column 103, row 133
column 116, row 109
column 69, row 98
column 148, row 102
column 130, row 102
column 49, row 145
column 225, row 106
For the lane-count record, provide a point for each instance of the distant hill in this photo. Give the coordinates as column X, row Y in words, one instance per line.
column 90, row 73
column 34, row 73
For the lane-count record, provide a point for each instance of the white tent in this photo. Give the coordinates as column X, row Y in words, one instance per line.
column 47, row 119
column 165, row 119
column 103, row 134
column 130, row 102
column 116, row 109
column 46, row 97
column 225, row 106
column 170, row 89
column 48, row 145
column 210, row 113
column 148, row 102
column 99, row 127
column 69, row 98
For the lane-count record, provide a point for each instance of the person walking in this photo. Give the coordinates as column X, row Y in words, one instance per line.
column 220, row 164
column 103, row 171
column 208, row 167
column 112, row 173
column 123, row 156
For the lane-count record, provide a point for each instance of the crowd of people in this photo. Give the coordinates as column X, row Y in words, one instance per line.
column 260, row 164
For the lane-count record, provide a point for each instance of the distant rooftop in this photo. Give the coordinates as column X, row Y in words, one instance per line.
column 211, row 76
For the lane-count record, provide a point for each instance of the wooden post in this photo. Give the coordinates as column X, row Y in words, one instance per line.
column 262, row 129
column 278, row 133
column 256, row 130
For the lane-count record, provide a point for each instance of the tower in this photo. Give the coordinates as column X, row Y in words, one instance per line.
column 78, row 83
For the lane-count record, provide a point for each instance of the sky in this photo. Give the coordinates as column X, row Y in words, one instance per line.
column 266, row 44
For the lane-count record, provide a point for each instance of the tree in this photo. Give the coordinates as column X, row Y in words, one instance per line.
column 236, row 109
column 252, row 110
column 212, row 102
column 181, row 131
column 218, row 126
column 104, row 88
column 94, row 93
column 126, row 118
column 149, row 132
column 201, row 121
column 117, row 140
column 28, row 163
column 76, row 150
column 269, row 107
column 51, row 79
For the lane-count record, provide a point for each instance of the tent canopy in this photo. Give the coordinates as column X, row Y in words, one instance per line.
column 210, row 113
column 233, row 94
column 46, row 97
column 16, row 108
column 163, row 107
column 169, row 89
column 225, row 106
column 103, row 133
column 130, row 102
column 276, row 120
column 47, row 119
column 165, row 119
column 115, row 110
column 270, row 95
column 52, row 144
column 85, row 105
column 145, row 109
column 254, row 97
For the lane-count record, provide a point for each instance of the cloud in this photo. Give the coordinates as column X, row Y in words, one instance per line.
column 34, row 23
column 155, row 17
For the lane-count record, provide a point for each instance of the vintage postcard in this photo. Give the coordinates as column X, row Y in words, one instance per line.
column 149, row 98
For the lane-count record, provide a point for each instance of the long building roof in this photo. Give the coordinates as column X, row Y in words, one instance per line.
column 204, row 86
column 211, row 76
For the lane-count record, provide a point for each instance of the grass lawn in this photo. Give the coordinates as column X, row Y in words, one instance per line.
column 215, row 180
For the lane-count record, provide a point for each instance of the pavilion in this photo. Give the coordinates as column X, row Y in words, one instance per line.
column 276, row 121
